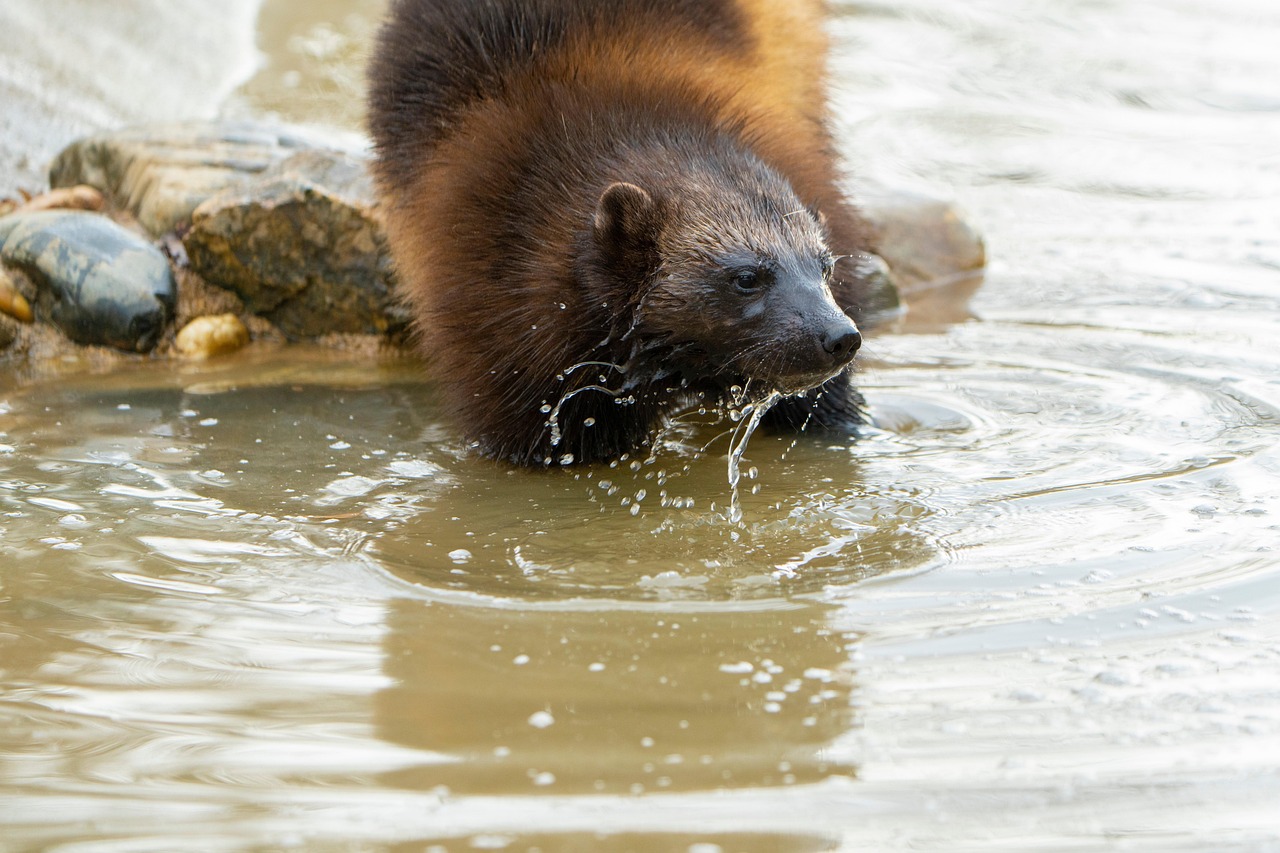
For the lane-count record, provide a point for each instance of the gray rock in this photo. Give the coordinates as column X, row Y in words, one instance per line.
column 926, row 241
column 302, row 246
column 160, row 174
column 881, row 299
column 97, row 282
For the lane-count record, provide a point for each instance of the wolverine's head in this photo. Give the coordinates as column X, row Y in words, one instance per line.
column 733, row 274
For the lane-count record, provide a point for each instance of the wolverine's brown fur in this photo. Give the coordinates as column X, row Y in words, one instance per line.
column 571, row 187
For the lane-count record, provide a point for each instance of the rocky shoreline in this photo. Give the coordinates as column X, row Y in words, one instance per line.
column 193, row 240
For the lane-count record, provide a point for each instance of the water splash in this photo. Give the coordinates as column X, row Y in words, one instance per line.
column 609, row 364
column 553, row 412
column 553, row 419
column 808, row 419
column 751, row 414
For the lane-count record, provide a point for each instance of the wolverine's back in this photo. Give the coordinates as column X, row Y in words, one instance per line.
column 760, row 63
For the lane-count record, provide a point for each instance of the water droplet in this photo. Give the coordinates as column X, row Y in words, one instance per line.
column 589, row 422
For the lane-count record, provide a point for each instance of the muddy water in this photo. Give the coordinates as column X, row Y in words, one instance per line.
column 273, row 602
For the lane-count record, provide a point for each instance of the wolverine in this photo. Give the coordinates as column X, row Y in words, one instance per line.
column 602, row 212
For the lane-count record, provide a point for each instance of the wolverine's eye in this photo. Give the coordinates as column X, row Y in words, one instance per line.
column 751, row 280
column 747, row 281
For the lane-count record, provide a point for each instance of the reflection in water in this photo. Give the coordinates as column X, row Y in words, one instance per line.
column 615, row 701
column 602, row 841
column 370, row 458
column 579, row 533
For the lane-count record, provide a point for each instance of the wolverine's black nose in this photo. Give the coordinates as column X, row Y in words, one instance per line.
column 841, row 340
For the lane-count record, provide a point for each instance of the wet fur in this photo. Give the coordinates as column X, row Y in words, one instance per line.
column 498, row 124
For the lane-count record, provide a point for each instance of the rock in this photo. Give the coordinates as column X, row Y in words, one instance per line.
column 80, row 197
column 12, row 302
column 926, row 241
column 205, row 337
column 881, row 298
column 160, row 174
column 302, row 246
column 97, row 282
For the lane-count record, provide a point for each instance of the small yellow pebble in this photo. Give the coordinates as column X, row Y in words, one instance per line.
column 12, row 302
column 205, row 337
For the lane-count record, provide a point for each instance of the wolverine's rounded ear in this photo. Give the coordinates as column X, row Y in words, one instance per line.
column 821, row 217
column 626, row 217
